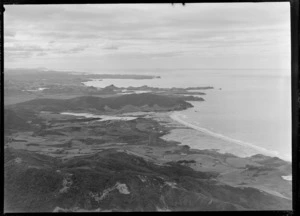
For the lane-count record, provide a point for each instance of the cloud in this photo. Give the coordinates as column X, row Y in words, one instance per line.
column 42, row 54
column 110, row 47
column 21, row 51
column 78, row 48
column 27, row 51
column 9, row 33
column 160, row 55
column 157, row 31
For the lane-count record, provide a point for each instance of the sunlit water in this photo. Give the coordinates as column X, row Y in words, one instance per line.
column 252, row 107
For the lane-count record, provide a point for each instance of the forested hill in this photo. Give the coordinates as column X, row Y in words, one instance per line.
column 138, row 102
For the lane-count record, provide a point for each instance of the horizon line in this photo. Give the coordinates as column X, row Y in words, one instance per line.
column 41, row 68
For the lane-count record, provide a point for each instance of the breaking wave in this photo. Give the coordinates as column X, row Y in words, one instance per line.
column 181, row 119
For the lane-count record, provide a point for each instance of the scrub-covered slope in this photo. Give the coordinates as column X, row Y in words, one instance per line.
column 119, row 181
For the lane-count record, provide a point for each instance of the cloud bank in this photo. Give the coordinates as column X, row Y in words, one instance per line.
column 94, row 37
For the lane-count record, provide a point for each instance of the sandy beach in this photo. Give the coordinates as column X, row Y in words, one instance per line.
column 201, row 138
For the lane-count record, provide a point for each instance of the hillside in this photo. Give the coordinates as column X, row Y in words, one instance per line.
column 118, row 181
column 16, row 121
column 145, row 102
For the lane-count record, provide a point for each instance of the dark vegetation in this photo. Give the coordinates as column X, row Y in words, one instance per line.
column 17, row 121
column 271, row 162
column 186, row 161
column 151, row 187
column 90, row 141
column 102, row 104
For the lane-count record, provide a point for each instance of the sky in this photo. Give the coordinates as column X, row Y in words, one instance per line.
column 134, row 36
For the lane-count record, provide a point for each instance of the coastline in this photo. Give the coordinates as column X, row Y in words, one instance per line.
column 225, row 144
column 173, row 158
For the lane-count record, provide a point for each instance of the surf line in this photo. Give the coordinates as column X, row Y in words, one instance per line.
column 176, row 116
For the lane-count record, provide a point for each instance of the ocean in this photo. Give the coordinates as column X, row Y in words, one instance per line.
column 249, row 107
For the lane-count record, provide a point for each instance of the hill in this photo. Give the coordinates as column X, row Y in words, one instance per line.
column 16, row 121
column 118, row 181
column 144, row 102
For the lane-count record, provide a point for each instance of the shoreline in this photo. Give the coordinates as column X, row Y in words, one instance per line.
column 227, row 144
column 176, row 117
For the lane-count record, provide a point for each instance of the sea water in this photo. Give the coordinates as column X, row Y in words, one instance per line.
column 252, row 107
